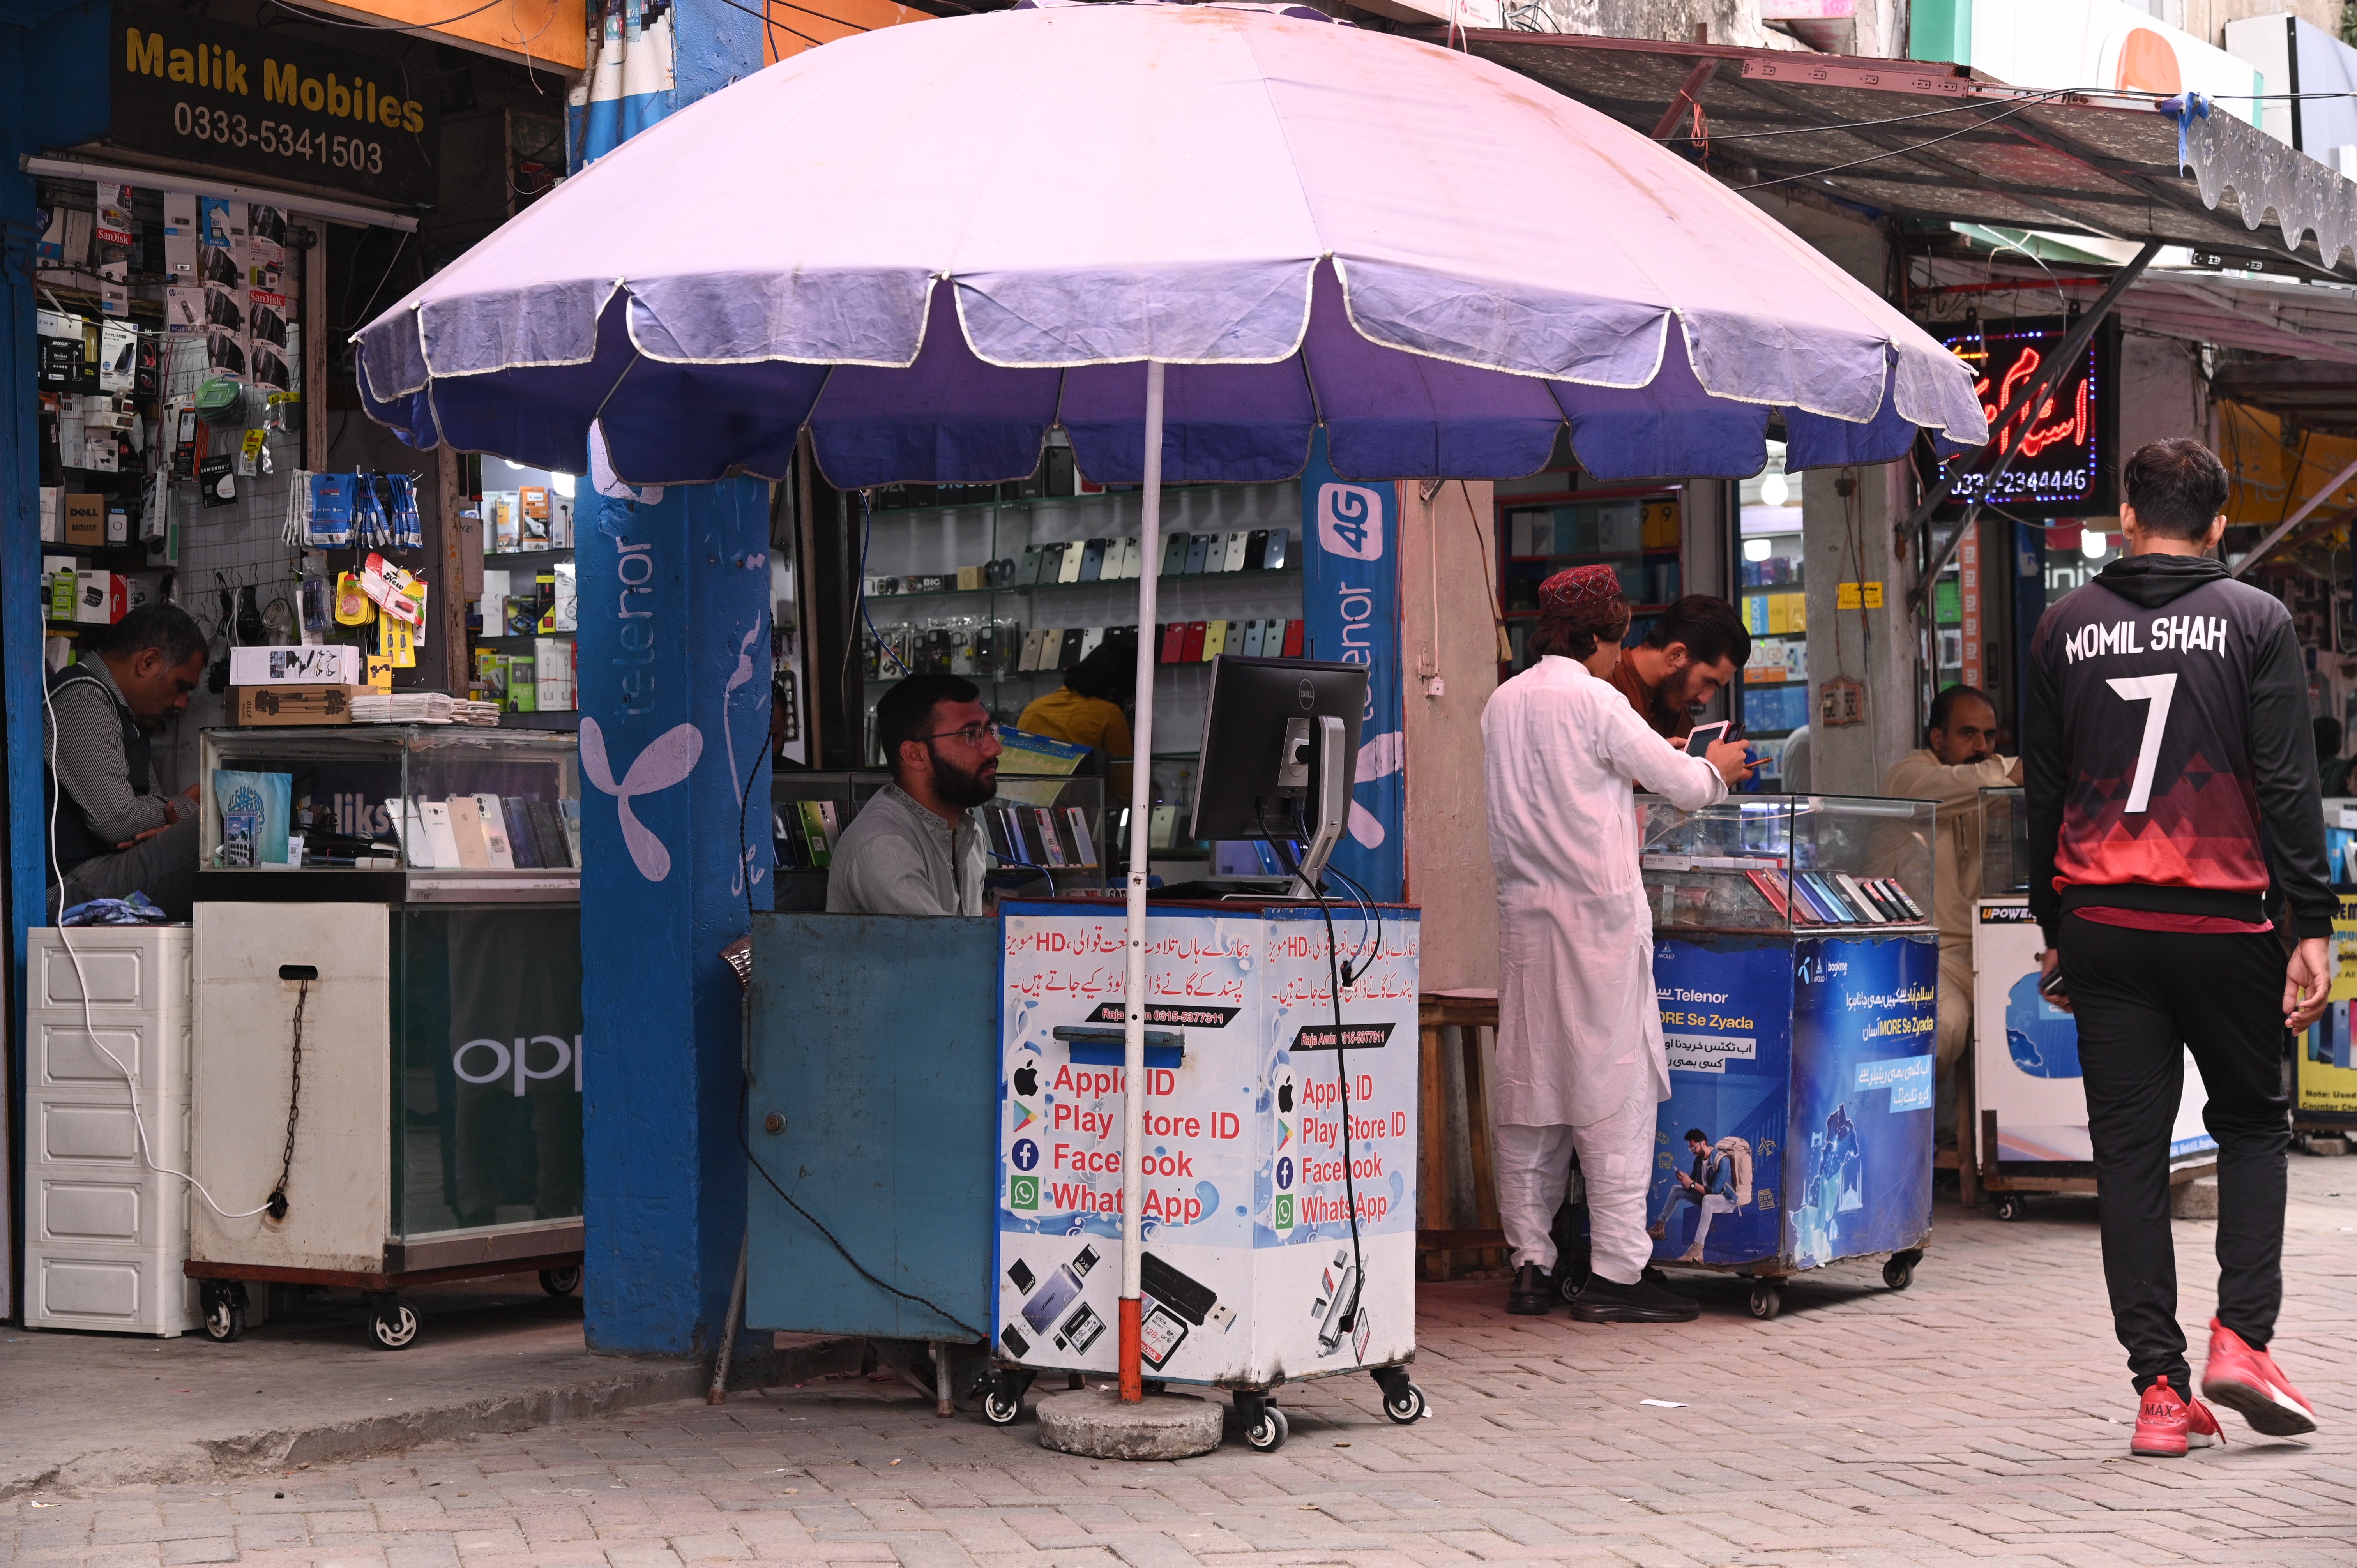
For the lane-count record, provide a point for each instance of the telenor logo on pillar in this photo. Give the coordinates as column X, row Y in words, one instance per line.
column 1350, row 521
column 668, row 758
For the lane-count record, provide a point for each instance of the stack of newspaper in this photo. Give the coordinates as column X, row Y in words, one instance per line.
column 421, row 708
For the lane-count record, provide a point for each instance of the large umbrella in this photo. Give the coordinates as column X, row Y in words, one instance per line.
column 1187, row 235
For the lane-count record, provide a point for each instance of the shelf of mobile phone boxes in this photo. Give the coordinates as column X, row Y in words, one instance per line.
column 1039, row 832
column 1795, row 961
column 2029, row 1104
column 966, row 1160
column 2325, row 1084
column 387, row 1001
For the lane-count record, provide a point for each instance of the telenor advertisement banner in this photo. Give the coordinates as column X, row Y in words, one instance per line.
column 1349, row 601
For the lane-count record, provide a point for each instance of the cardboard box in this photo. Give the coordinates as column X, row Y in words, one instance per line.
column 85, row 520
column 324, row 664
column 262, row 705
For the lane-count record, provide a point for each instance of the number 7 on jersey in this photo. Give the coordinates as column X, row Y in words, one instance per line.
column 2158, row 690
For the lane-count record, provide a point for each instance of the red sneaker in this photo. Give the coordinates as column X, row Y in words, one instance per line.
column 2201, row 1427
column 2164, row 1428
column 2248, row 1381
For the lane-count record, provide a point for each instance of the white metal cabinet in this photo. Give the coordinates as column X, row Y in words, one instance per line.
column 108, row 1227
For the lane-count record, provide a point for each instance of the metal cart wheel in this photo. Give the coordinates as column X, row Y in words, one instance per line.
column 561, row 1281
column 1898, row 1272
column 392, row 1325
column 1268, row 1435
column 224, row 1309
column 1767, row 1299
column 1002, row 1399
column 1571, row 1277
column 2011, row 1206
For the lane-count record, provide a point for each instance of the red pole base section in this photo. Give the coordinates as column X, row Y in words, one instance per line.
column 1132, row 1379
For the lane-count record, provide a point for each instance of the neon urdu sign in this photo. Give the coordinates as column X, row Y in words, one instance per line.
column 2061, row 450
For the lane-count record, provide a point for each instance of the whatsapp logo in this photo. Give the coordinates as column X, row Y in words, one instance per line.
column 1284, row 1211
column 1023, row 1192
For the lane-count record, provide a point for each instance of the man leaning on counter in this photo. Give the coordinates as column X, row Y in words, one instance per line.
column 1957, row 760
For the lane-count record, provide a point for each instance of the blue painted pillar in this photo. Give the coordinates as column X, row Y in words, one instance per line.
column 53, row 93
column 674, row 651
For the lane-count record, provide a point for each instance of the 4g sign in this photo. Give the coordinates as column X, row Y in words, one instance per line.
column 208, row 92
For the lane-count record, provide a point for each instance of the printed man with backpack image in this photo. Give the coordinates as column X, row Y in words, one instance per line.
column 1720, row 1183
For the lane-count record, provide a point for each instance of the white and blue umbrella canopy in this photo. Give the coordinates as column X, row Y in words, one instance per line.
column 932, row 244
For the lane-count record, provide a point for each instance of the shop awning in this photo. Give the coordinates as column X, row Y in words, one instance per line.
column 1927, row 140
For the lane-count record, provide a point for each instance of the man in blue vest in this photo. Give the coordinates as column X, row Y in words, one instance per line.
column 111, row 834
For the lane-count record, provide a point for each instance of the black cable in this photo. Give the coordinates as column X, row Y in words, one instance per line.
column 1374, row 909
column 277, row 1205
column 743, row 1093
column 1342, row 1064
column 386, row 26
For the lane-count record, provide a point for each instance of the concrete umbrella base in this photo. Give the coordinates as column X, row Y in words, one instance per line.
column 1095, row 1425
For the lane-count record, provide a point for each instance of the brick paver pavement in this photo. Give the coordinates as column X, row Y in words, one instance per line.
column 1981, row 1417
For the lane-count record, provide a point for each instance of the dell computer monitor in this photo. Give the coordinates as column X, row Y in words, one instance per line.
column 1280, row 753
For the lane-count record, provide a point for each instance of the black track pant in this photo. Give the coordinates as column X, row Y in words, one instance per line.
column 2141, row 998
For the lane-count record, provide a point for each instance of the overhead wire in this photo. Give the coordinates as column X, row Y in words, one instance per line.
column 1901, row 152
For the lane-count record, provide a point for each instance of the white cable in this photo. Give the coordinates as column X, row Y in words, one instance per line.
column 89, row 1020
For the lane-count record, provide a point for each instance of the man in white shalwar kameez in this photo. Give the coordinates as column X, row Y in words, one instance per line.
column 1580, row 1063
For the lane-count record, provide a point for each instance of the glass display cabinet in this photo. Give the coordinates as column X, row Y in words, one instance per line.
column 2005, row 843
column 1789, row 862
column 1796, row 967
column 387, row 1027
column 404, row 813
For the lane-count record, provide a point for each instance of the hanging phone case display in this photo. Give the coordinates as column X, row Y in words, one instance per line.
column 1012, row 585
column 1797, row 967
column 2025, row 1125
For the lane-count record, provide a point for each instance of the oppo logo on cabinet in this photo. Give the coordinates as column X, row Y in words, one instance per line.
column 523, row 1061
column 310, row 113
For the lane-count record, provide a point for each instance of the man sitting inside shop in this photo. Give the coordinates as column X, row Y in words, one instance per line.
column 915, row 848
column 114, row 834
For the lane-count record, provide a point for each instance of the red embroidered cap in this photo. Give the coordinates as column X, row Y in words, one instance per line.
column 1577, row 589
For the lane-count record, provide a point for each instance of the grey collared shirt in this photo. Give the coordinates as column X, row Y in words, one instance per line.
column 898, row 858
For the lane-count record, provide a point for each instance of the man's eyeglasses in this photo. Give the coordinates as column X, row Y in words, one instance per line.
column 973, row 735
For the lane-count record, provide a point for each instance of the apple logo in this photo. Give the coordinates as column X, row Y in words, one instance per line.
column 1027, row 1082
column 1285, row 1097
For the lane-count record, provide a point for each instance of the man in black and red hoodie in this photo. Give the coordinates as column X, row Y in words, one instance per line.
column 2173, row 810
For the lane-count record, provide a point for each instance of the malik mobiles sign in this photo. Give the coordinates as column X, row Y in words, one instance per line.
column 2064, row 464
column 207, row 92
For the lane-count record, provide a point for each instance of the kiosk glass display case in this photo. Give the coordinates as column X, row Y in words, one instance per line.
column 396, row 910
column 1788, row 863
column 2005, row 842
column 399, row 812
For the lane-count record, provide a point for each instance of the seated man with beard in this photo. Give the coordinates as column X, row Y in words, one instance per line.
column 915, row 848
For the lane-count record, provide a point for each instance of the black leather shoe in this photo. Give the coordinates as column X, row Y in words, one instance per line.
column 1532, row 1293
column 1601, row 1301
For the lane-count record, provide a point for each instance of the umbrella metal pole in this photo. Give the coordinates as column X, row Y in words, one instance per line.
column 1133, row 1015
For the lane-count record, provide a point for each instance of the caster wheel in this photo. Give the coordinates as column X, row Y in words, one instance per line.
column 2009, row 1206
column 1408, row 1407
column 392, row 1326
column 224, row 1317
column 1767, row 1300
column 561, row 1281
column 1898, row 1272
column 1268, row 1435
column 1570, row 1279
column 1001, row 1411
